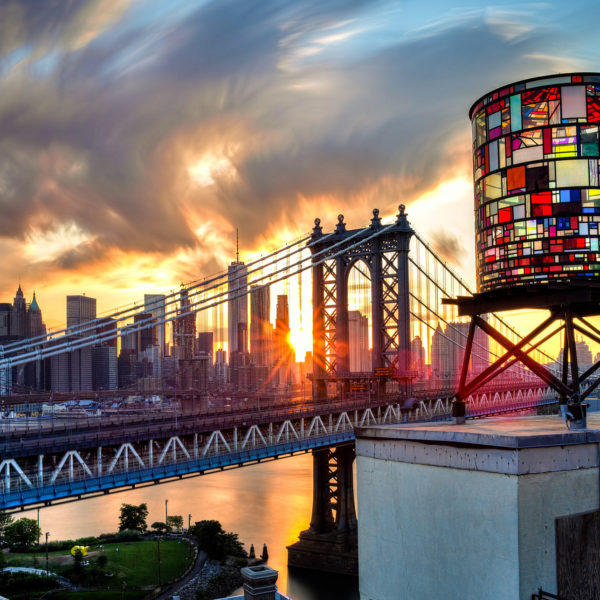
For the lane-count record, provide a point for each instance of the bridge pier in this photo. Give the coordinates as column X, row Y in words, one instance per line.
column 330, row 543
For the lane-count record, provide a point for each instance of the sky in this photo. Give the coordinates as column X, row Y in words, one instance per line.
column 137, row 135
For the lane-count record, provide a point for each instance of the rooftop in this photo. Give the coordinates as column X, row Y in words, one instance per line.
column 506, row 432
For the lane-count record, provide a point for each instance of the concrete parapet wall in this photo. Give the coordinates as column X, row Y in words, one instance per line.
column 459, row 520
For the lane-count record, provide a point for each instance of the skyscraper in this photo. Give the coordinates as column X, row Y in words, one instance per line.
column 18, row 325
column 205, row 344
column 282, row 347
column 34, row 325
column 184, row 326
column 237, row 306
column 155, row 305
column 260, row 325
column 145, row 336
column 358, row 335
column 80, row 309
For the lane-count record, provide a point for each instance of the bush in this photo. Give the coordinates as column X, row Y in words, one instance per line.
column 23, row 533
column 127, row 535
column 25, row 584
column 215, row 542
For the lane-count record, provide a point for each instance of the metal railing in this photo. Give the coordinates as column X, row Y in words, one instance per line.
column 542, row 595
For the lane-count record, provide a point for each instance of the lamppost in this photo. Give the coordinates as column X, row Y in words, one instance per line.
column 47, row 534
column 158, row 540
column 166, row 514
column 39, row 530
column 189, row 522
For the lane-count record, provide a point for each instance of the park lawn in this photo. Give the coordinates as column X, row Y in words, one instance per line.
column 37, row 560
column 136, row 563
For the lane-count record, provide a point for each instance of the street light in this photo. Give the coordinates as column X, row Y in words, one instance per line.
column 47, row 534
column 158, row 541
column 189, row 522
column 166, row 514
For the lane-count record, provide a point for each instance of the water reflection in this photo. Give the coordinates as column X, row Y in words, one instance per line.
column 267, row 503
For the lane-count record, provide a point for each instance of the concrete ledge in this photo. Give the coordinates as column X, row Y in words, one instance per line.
column 493, row 460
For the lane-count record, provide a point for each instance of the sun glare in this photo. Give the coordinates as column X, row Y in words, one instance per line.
column 209, row 168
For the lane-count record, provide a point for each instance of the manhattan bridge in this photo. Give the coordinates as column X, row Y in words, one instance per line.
column 408, row 287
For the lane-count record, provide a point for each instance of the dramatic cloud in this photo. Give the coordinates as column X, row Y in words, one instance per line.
column 133, row 133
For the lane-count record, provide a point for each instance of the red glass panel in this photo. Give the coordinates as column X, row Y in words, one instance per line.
column 593, row 110
column 547, row 141
column 495, row 106
column 541, row 198
column 540, row 95
column 515, row 178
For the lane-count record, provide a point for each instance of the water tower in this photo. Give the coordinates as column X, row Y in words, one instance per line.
column 537, row 212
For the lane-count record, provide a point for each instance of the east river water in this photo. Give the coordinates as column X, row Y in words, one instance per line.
column 267, row 503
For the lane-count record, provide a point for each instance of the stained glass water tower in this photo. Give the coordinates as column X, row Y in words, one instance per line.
column 537, row 213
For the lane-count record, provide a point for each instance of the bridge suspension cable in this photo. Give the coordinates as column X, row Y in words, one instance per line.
column 72, row 344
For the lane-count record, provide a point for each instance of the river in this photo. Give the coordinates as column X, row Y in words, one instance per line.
column 269, row 503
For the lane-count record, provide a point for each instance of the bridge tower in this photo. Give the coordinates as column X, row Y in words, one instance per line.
column 385, row 255
column 331, row 544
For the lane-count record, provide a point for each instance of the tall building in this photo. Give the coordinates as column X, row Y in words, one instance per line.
column 129, row 339
column 204, row 345
column 34, row 325
column 155, row 305
column 5, row 317
column 417, row 357
column 108, row 326
column 237, row 306
column 281, row 343
column 104, row 368
column 80, row 309
column 145, row 336
column 358, row 335
column 448, row 349
column 221, row 366
column 261, row 329
column 18, row 321
column 72, row 371
column 184, row 327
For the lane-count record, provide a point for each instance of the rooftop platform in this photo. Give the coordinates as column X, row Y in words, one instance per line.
column 507, row 432
column 514, row 445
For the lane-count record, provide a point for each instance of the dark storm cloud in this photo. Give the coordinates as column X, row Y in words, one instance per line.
column 94, row 135
column 448, row 245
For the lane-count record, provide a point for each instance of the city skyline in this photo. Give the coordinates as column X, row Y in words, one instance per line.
column 108, row 195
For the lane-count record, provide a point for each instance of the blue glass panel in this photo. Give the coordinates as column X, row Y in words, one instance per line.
column 515, row 113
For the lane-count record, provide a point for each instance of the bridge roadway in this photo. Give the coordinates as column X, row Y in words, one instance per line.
column 72, row 460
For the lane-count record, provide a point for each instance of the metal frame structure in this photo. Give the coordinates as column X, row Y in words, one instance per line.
column 386, row 257
column 569, row 305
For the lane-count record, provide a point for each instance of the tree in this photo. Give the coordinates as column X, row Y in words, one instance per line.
column 24, row 532
column 102, row 560
column 159, row 526
column 174, row 522
column 216, row 542
column 133, row 517
column 5, row 521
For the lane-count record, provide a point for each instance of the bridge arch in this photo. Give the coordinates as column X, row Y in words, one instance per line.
column 385, row 252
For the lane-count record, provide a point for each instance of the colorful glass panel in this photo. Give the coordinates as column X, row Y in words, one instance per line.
column 537, row 188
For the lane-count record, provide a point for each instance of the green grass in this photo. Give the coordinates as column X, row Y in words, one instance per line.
column 136, row 563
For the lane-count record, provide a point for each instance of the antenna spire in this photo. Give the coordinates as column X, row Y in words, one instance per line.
column 237, row 245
